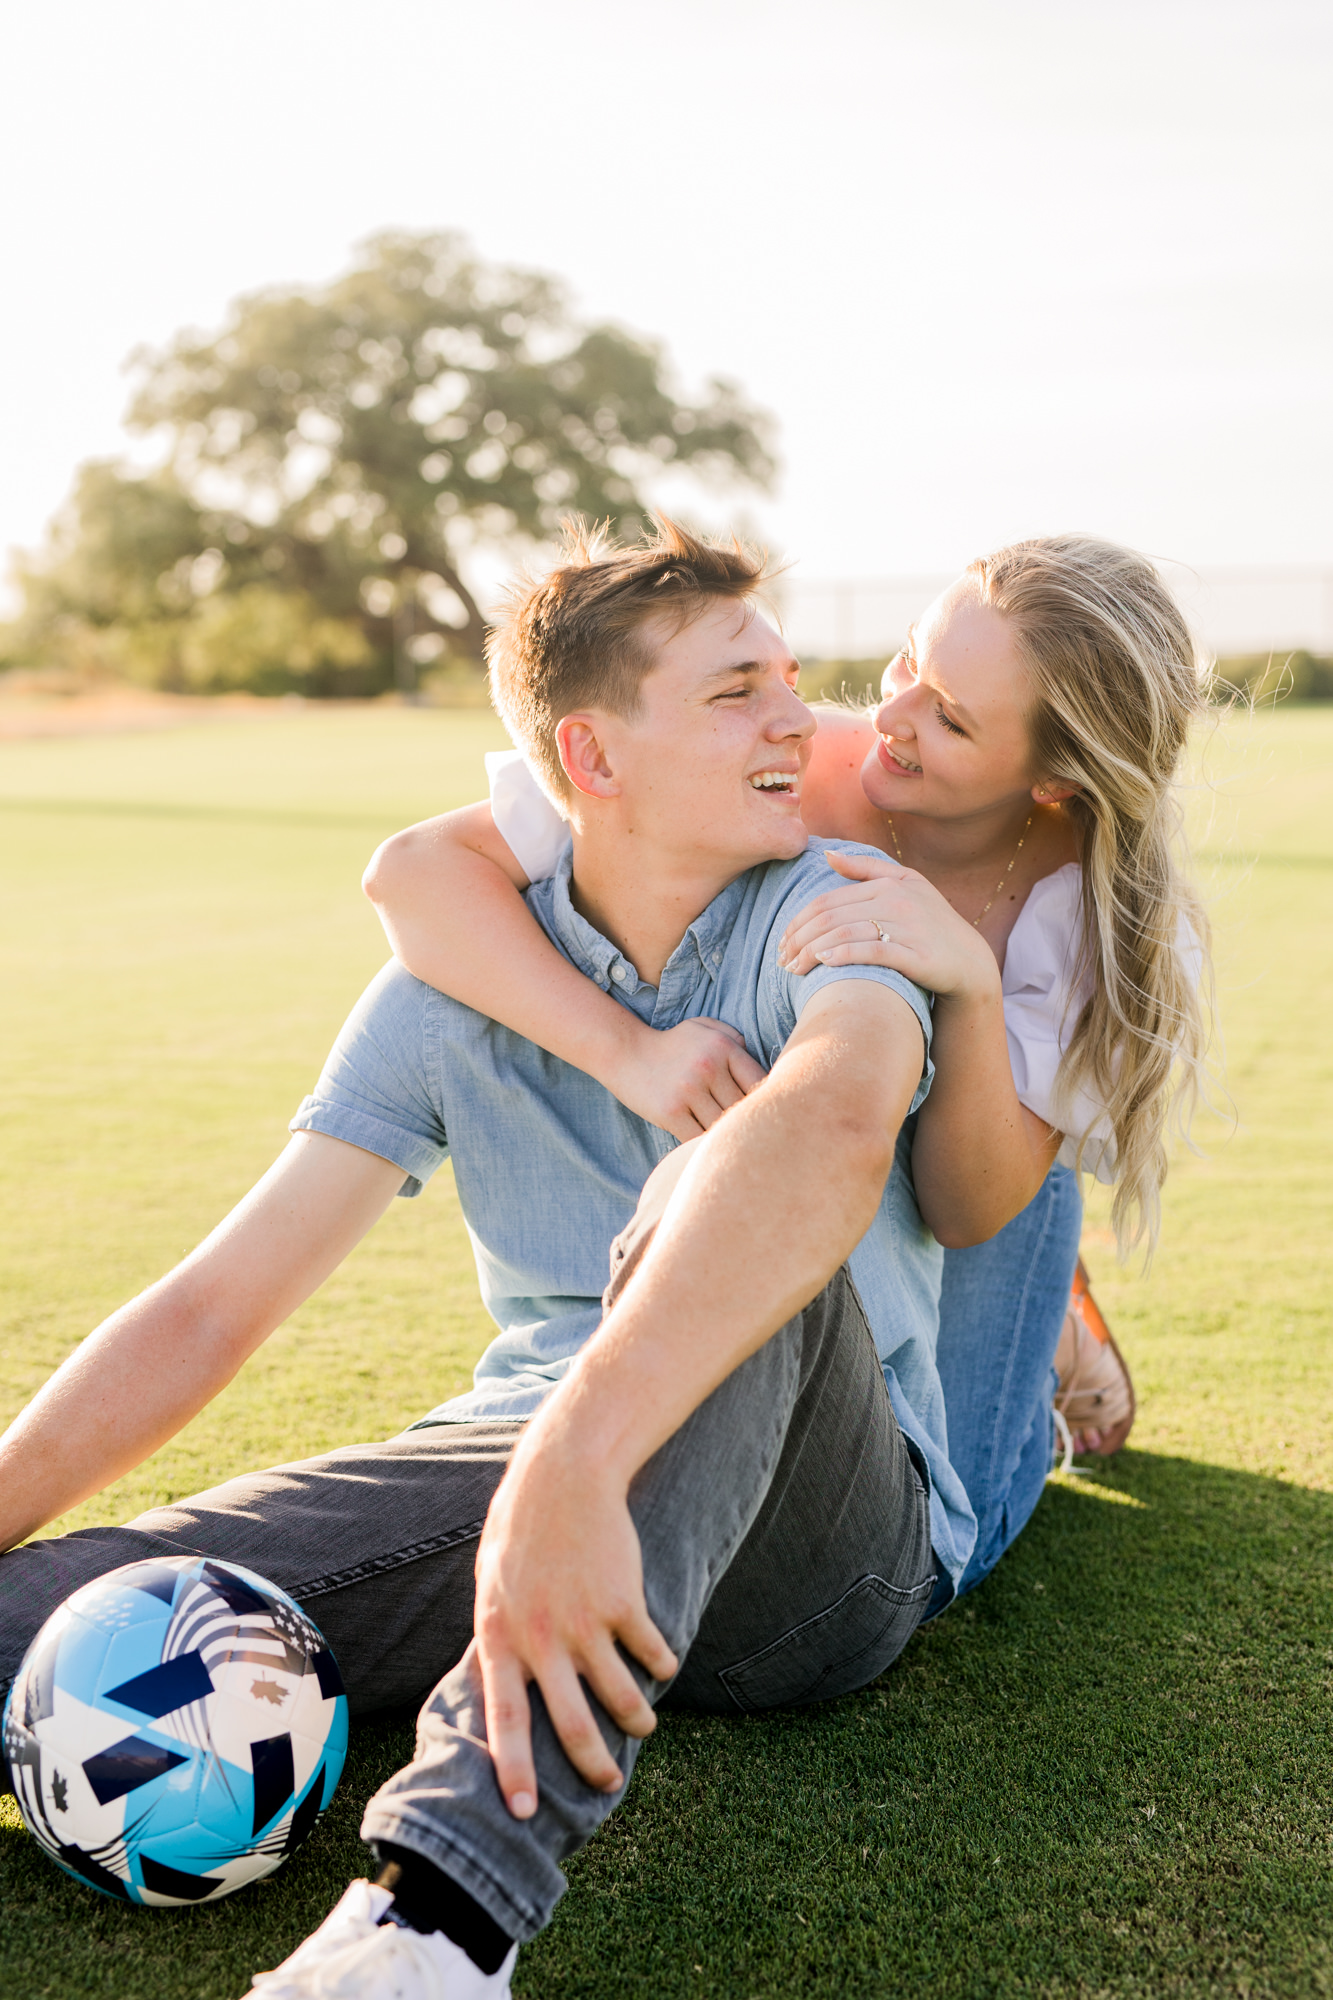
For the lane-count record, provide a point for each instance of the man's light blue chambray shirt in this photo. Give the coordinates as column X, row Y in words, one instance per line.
column 549, row 1165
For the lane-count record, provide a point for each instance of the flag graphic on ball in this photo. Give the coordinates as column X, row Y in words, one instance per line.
column 175, row 1730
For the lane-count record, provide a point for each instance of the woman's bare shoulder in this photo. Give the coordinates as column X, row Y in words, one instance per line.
column 839, row 722
column 833, row 805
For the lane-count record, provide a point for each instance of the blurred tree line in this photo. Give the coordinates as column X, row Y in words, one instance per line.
column 1263, row 678
column 331, row 459
column 1270, row 677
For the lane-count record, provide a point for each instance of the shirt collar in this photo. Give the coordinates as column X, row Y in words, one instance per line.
column 700, row 950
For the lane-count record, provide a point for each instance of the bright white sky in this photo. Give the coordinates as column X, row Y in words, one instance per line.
column 997, row 269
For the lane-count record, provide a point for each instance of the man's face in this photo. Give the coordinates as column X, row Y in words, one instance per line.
column 710, row 765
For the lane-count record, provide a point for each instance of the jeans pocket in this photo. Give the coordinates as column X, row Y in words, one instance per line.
column 835, row 1652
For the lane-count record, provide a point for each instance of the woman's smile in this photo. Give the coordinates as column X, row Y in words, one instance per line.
column 896, row 760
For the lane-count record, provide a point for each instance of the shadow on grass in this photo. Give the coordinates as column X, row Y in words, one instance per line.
column 1107, row 1772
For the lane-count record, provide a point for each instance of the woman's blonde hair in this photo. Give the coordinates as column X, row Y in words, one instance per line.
column 1117, row 682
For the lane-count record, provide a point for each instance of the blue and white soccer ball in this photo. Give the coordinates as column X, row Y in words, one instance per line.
column 175, row 1730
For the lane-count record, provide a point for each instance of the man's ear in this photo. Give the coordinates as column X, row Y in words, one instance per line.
column 582, row 752
column 1051, row 794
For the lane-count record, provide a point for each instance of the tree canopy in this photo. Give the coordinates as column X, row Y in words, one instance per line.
column 331, row 458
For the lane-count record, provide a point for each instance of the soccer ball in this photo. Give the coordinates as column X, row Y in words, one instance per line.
column 175, row 1730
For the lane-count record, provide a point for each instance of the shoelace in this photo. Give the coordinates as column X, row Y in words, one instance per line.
column 1066, row 1437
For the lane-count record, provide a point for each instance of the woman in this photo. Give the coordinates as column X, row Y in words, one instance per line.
column 1018, row 779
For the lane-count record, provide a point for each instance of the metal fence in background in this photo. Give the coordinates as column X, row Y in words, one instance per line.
column 1232, row 610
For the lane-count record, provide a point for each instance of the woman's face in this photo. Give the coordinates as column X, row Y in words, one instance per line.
column 951, row 734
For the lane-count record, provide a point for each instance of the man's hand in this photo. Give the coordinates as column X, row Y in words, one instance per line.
column 559, row 1581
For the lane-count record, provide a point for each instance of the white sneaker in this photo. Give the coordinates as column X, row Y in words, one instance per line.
column 353, row 1956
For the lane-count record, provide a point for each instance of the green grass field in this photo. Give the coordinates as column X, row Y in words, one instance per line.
column 1109, row 1772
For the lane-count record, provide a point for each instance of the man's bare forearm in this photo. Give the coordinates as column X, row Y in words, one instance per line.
column 154, row 1364
column 132, row 1384
column 775, row 1199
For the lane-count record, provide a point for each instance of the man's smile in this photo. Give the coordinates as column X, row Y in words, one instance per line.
column 787, row 782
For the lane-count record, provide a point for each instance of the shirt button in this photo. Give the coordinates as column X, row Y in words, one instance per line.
column 618, row 974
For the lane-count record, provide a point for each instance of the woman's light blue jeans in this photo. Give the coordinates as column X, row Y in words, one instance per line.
column 1001, row 1309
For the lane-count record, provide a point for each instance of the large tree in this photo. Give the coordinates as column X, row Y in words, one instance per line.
column 332, row 456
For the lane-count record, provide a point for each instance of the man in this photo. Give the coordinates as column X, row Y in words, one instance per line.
column 717, row 1495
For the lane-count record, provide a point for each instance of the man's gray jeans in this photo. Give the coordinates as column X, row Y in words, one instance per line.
column 786, row 1556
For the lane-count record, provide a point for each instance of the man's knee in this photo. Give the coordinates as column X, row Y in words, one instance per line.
column 831, row 1319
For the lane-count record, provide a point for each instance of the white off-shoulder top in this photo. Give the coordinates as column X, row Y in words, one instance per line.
column 1041, row 1007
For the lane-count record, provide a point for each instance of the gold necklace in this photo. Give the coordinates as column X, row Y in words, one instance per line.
column 893, row 835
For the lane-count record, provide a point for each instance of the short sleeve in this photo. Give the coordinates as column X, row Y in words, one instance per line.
column 1041, row 1010
column 880, row 975
column 524, row 816
column 375, row 1089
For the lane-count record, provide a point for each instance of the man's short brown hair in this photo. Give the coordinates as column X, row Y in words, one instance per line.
column 576, row 639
